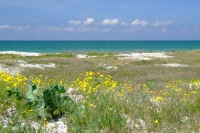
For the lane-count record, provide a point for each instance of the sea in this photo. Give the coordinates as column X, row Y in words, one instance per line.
column 99, row 46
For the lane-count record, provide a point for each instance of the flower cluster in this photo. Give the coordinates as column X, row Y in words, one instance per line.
column 94, row 81
column 11, row 81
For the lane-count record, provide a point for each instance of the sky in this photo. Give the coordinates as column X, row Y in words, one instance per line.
column 99, row 19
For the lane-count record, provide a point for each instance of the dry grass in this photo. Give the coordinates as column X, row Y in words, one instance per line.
column 136, row 103
column 132, row 70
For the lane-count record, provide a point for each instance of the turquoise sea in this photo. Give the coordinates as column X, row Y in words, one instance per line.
column 81, row 46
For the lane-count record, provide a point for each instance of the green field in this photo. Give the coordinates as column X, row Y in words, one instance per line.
column 102, row 94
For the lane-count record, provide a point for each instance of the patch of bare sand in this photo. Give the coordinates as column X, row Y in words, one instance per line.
column 143, row 56
column 21, row 65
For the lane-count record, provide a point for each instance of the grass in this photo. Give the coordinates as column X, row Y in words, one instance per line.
column 139, row 96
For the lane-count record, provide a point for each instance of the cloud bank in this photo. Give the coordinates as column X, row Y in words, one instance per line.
column 110, row 22
column 138, row 22
column 73, row 22
column 158, row 23
column 14, row 27
column 89, row 21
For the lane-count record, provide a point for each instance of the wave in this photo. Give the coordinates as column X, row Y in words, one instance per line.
column 21, row 53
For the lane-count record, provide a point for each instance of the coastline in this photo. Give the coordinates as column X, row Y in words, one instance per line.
column 99, row 46
column 122, row 55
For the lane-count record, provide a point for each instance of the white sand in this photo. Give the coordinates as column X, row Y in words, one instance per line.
column 143, row 56
column 21, row 53
column 10, row 69
column 108, row 67
column 84, row 56
column 21, row 65
column 40, row 66
column 174, row 65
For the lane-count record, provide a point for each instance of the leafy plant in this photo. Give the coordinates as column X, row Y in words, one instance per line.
column 16, row 93
column 46, row 104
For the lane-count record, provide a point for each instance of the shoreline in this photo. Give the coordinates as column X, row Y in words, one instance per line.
column 22, row 53
column 140, row 55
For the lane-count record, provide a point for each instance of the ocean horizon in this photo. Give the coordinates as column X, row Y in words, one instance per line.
column 99, row 46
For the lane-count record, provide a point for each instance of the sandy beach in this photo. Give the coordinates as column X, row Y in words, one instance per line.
column 21, row 53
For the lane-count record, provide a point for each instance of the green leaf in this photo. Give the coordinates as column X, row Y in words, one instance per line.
column 58, row 88
column 41, row 110
column 9, row 93
column 31, row 94
column 16, row 93
column 82, row 109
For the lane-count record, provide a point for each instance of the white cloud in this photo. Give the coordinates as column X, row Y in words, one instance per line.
column 110, row 22
column 138, row 22
column 71, row 29
column 106, row 30
column 41, row 28
column 89, row 21
column 86, row 29
column 54, row 28
column 166, row 22
column 14, row 27
column 196, row 30
column 49, row 28
column 5, row 27
column 158, row 23
column 164, row 30
column 73, row 22
column 128, row 30
column 124, row 23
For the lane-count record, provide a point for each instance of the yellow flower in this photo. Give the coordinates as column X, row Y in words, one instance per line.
column 22, row 112
column 46, row 122
column 30, row 110
column 158, row 99
column 121, row 94
column 91, row 105
column 156, row 121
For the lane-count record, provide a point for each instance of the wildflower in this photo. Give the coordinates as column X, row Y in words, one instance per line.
column 122, row 110
column 134, row 86
column 156, row 121
column 89, row 92
column 129, row 88
column 91, row 105
column 121, row 94
column 15, row 85
column 22, row 112
column 46, row 122
column 95, row 73
column 193, row 91
column 158, row 99
column 30, row 110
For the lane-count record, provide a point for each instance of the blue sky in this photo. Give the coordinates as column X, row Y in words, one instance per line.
column 99, row 20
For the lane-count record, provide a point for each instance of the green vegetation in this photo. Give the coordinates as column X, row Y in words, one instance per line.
column 138, row 96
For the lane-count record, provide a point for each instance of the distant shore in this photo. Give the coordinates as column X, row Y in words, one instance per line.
column 99, row 46
column 125, row 55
